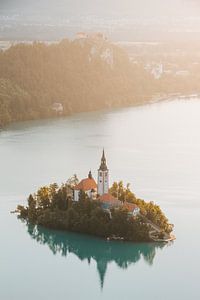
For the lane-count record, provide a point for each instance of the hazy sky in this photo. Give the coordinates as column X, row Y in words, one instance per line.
column 143, row 8
column 120, row 19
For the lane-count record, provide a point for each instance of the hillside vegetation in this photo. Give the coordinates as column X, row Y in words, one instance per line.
column 81, row 75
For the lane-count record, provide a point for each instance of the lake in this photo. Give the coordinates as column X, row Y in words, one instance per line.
column 156, row 148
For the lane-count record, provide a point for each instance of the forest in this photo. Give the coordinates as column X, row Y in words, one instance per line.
column 90, row 74
column 81, row 75
column 149, row 210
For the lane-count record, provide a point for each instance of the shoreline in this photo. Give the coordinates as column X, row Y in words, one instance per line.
column 153, row 100
column 108, row 239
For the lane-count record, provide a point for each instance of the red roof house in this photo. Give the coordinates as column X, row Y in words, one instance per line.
column 108, row 201
column 132, row 208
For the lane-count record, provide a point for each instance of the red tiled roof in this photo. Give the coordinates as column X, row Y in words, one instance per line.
column 130, row 206
column 107, row 198
column 86, row 185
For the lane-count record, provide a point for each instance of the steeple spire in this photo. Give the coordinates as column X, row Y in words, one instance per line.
column 103, row 166
column 102, row 268
column 103, row 176
column 103, row 155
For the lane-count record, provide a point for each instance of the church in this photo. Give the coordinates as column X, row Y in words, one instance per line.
column 89, row 185
column 100, row 190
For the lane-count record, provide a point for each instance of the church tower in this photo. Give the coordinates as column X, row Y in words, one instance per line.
column 103, row 177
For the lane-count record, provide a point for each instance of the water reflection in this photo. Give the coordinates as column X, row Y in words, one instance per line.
column 102, row 251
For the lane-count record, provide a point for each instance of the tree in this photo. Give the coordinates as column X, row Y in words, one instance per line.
column 22, row 211
column 33, row 77
column 51, row 207
column 73, row 181
column 43, row 197
column 32, row 213
column 121, row 192
column 83, row 196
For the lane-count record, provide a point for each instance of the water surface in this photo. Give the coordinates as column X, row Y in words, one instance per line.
column 155, row 148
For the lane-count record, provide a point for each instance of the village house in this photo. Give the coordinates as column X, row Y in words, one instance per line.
column 81, row 35
column 57, row 107
column 132, row 208
column 108, row 201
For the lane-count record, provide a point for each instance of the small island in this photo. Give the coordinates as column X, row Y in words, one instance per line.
column 113, row 213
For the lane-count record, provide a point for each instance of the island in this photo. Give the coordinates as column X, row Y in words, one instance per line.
column 113, row 213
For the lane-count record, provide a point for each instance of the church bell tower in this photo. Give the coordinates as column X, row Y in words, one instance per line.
column 103, row 177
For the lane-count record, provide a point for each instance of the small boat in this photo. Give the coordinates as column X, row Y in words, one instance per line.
column 115, row 238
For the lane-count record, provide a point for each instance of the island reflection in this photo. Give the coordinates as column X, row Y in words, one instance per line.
column 103, row 252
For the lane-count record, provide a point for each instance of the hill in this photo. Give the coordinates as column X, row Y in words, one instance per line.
column 81, row 75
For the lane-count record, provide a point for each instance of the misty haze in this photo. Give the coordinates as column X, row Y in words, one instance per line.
column 99, row 149
column 122, row 20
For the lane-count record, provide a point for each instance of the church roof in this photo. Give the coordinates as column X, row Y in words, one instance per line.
column 86, row 184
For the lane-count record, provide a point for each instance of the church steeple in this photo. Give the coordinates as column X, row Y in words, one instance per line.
column 103, row 166
column 103, row 176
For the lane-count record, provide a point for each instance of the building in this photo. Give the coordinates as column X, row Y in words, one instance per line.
column 88, row 186
column 103, row 177
column 157, row 71
column 58, row 107
column 97, row 36
column 81, row 35
column 182, row 73
column 132, row 208
column 108, row 201
column 100, row 191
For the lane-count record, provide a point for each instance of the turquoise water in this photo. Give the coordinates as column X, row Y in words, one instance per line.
column 155, row 148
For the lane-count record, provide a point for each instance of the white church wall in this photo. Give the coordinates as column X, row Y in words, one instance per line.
column 103, row 182
column 76, row 195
